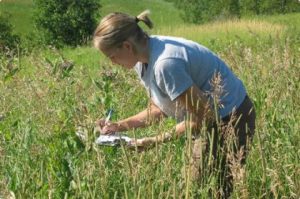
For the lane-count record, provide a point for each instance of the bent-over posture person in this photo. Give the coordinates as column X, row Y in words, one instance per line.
column 184, row 80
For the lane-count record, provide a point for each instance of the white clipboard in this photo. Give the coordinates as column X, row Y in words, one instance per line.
column 113, row 140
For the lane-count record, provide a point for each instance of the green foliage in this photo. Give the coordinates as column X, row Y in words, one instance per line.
column 104, row 85
column 69, row 22
column 8, row 40
column 195, row 11
column 200, row 11
column 9, row 64
column 269, row 7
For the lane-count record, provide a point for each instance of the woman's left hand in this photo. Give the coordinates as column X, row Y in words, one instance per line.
column 142, row 143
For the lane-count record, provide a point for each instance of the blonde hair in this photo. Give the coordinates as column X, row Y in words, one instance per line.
column 117, row 27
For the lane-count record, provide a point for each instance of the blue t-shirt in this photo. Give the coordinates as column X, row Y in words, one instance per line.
column 175, row 64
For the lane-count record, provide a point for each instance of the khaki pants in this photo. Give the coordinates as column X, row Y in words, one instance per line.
column 224, row 145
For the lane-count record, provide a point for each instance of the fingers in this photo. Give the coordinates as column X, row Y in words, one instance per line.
column 100, row 123
column 105, row 127
column 143, row 142
column 108, row 129
column 136, row 145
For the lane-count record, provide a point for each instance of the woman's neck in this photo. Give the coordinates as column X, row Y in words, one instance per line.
column 144, row 52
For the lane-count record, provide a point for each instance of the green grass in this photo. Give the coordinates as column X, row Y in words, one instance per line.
column 42, row 105
column 162, row 13
column 20, row 12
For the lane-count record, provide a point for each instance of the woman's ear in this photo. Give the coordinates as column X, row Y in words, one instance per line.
column 128, row 45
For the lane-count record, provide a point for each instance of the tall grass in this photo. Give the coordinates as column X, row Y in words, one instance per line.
column 53, row 93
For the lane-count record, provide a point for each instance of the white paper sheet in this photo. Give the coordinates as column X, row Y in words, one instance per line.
column 112, row 140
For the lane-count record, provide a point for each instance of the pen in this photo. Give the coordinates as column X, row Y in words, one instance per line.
column 108, row 116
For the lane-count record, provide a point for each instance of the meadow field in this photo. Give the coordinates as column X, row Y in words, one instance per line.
column 48, row 94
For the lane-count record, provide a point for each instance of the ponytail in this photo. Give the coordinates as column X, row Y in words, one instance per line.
column 144, row 17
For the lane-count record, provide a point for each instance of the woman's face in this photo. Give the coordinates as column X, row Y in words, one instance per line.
column 123, row 56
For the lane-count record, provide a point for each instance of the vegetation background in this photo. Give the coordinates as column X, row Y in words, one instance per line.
column 47, row 94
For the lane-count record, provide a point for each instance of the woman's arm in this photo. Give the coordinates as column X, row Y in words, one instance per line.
column 196, row 105
column 142, row 119
column 198, row 110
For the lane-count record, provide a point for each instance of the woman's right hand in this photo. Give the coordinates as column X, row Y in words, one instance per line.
column 106, row 127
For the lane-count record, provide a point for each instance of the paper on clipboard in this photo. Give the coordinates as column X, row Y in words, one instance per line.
column 113, row 140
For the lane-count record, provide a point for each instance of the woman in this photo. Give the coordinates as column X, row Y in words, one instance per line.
column 184, row 80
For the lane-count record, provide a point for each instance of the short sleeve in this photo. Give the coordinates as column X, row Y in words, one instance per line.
column 172, row 77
